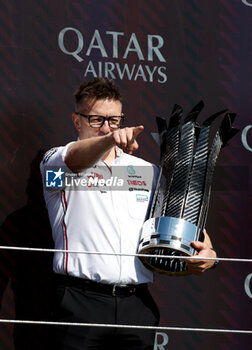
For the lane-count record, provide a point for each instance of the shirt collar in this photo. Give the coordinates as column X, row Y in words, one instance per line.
column 119, row 152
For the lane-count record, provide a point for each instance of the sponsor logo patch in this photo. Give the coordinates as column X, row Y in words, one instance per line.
column 142, row 197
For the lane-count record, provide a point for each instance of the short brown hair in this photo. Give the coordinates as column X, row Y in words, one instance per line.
column 97, row 89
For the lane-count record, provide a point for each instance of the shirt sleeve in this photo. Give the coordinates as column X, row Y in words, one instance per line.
column 54, row 161
column 55, row 157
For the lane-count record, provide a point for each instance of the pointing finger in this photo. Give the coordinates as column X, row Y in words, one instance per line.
column 137, row 130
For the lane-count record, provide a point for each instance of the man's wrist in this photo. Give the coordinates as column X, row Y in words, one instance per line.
column 216, row 262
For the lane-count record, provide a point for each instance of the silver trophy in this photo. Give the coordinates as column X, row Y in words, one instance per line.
column 179, row 207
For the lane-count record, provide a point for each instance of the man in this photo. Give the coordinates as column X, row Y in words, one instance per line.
column 105, row 287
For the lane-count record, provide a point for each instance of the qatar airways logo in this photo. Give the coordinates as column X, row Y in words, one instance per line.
column 245, row 137
column 247, row 2
column 99, row 54
column 161, row 340
column 247, row 287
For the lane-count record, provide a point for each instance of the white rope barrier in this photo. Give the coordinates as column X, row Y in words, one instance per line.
column 51, row 250
column 104, row 325
column 157, row 328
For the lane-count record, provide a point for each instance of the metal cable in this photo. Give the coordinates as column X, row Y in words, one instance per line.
column 51, row 250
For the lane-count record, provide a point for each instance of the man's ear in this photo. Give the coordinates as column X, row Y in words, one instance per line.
column 76, row 121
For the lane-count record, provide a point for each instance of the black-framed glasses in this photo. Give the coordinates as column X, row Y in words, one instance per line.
column 97, row 121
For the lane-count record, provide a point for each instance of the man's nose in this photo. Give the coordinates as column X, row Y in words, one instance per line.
column 105, row 127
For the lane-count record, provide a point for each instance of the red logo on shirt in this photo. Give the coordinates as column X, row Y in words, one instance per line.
column 93, row 175
column 137, row 183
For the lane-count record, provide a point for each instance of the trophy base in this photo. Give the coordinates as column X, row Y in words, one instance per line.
column 168, row 236
column 168, row 266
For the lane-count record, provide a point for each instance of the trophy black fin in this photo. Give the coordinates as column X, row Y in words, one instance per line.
column 232, row 117
column 156, row 137
column 175, row 117
column 193, row 114
column 226, row 131
column 210, row 119
column 197, row 131
column 161, row 125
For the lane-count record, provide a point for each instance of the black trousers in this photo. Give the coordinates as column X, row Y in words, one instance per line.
column 74, row 304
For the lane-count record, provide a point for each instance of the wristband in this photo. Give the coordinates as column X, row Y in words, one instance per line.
column 216, row 262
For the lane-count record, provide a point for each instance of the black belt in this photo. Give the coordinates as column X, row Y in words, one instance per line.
column 109, row 289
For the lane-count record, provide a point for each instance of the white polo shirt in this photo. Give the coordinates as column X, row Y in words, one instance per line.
column 100, row 219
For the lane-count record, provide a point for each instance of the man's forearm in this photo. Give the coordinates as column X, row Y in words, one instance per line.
column 207, row 240
column 85, row 153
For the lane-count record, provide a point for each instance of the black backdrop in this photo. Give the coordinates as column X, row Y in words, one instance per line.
column 159, row 53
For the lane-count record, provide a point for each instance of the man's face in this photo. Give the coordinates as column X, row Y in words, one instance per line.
column 105, row 108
